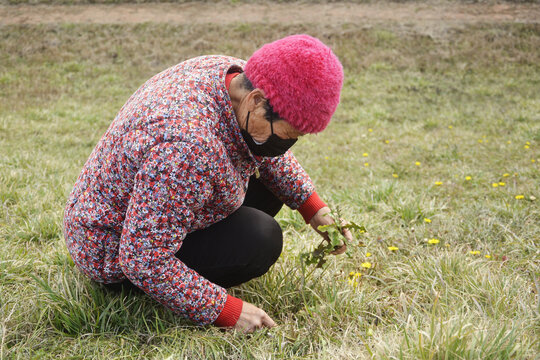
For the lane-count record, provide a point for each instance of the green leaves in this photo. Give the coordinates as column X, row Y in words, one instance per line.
column 334, row 231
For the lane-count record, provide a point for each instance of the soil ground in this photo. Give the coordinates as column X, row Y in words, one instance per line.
column 415, row 14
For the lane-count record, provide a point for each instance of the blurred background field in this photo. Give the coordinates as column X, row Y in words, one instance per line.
column 437, row 138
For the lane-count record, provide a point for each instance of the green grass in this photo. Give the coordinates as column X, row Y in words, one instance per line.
column 61, row 86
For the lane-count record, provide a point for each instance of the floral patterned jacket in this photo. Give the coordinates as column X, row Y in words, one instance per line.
column 172, row 161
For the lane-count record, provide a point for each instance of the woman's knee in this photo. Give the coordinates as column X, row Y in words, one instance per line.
column 268, row 242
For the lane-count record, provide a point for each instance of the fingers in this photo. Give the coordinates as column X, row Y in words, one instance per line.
column 340, row 250
column 252, row 318
column 347, row 234
column 267, row 321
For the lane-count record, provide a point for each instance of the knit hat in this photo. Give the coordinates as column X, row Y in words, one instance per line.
column 301, row 78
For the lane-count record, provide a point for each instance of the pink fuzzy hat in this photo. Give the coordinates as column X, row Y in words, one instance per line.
column 301, row 78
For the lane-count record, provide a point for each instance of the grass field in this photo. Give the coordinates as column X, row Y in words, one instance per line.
column 435, row 138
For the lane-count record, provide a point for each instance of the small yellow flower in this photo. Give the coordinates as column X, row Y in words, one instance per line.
column 438, row 183
column 427, row 220
column 526, row 147
column 354, row 278
column 527, row 143
column 508, row 142
column 368, row 254
column 450, row 126
column 387, row 141
column 495, row 185
column 533, row 160
column 366, row 265
column 365, row 154
column 520, row 197
column 370, row 130
column 480, row 141
column 418, row 163
column 488, row 256
column 447, row 245
column 502, row 183
column 326, row 158
column 395, row 175
column 393, row 248
column 366, row 164
column 506, row 175
column 468, row 178
column 474, row 252
column 433, row 241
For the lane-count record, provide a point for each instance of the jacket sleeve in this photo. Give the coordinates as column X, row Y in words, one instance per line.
column 286, row 178
column 167, row 193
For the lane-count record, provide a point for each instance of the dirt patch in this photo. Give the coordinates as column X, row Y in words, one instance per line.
column 226, row 13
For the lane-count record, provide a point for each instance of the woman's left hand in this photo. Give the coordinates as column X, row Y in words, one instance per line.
column 320, row 218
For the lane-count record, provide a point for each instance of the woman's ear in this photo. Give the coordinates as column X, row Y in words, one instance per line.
column 258, row 96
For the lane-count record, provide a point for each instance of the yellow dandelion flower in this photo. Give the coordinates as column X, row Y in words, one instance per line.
column 433, row 241
column 474, row 252
column 366, row 164
column 395, row 175
column 488, row 256
column 370, row 130
column 365, row 154
column 450, row 126
column 427, row 220
column 526, row 147
column 354, row 278
column 366, row 265
column 527, row 143
column 533, row 160
column 495, row 185
column 418, row 163
column 480, row 141
column 508, row 142
column 326, row 158
column 438, row 183
column 506, row 175
column 468, row 178
column 368, row 254
column 387, row 141
column 502, row 183
column 393, row 248
column 520, row 197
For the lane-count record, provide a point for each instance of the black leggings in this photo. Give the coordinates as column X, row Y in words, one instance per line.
column 238, row 248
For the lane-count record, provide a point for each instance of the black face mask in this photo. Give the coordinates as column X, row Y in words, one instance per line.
column 273, row 146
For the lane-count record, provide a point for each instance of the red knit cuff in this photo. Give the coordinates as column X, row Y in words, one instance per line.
column 230, row 313
column 311, row 206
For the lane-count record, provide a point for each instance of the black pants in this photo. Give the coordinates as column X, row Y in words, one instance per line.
column 238, row 248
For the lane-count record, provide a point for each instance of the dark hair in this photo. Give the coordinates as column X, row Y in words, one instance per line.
column 269, row 113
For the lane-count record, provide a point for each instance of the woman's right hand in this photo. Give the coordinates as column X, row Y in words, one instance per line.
column 252, row 318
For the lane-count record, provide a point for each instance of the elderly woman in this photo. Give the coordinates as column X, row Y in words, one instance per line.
column 179, row 195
